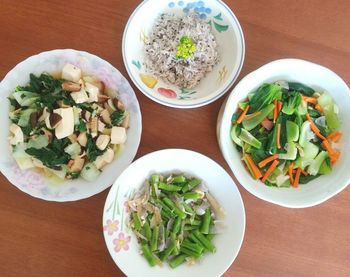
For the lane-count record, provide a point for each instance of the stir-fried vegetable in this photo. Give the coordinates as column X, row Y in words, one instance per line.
column 287, row 133
column 173, row 218
column 69, row 127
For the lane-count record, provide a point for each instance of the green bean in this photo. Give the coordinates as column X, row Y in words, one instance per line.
column 196, row 247
column 178, row 260
column 206, row 222
column 192, row 195
column 194, row 239
column 165, row 214
column 155, row 178
column 206, row 243
column 191, row 185
column 165, row 208
column 167, row 187
column 148, row 254
column 188, row 209
column 194, row 222
column 147, row 232
column 172, row 206
column 191, row 227
column 136, row 221
column 168, row 250
column 210, row 237
column 179, row 179
column 190, row 252
column 154, row 238
column 177, row 225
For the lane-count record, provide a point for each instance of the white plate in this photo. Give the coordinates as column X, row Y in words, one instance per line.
column 122, row 243
column 53, row 61
column 317, row 77
column 227, row 31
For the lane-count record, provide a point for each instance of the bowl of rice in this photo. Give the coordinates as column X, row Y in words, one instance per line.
column 183, row 54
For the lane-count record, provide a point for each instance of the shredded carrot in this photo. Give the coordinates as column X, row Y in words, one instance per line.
column 278, row 134
column 275, row 111
column 250, row 116
column 319, row 108
column 279, row 106
column 267, row 124
column 328, row 147
column 304, row 172
column 253, row 167
column 314, row 128
column 290, row 172
column 269, row 170
column 297, row 177
column 242, row 115
column 335, row 136
column 334, row 158
column 267, row 160
column 309, row 99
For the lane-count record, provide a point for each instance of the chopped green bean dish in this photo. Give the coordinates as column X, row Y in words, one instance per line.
column 173, row 218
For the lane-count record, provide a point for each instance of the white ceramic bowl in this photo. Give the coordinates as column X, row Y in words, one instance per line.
column 229, row 36
column 121, row 242
column 34, row 183
column 313, row 75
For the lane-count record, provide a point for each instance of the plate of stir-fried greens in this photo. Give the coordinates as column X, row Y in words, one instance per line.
column 174, row 212
column 283, row 131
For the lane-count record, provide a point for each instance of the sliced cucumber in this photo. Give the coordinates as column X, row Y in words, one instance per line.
column 305, row 134
column 90, row 172
column 249, row 138
column 291, row 154
column 310, row 151
column 235, row 130
column 25, row 117
column 250, row 124
column 292, row 131
column 315, row 165
column 73, row 149
column 38, row 142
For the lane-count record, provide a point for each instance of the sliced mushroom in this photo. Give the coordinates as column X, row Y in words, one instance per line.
column 82, row 139
column 101, row 126
column 101, row 86
column 73, row 138
column 34, row 119
column 94, row 126
column 77, row 164
column 109, row 106
column 86, row 115
column 102, row 98
column 44, row 115
column 126, row 121
column 105, row 116
column 55, row 119
column 71, row 86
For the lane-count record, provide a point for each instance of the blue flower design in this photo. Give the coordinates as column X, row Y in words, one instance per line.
column 196, row 6
column 171, row 5
column 181, row 3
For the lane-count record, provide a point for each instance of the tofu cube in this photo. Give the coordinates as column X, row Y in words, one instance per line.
column 93, row 92
column 108, row 156
column 80, row 96
column 66, row 127
column 71, row 73
column 118, row 135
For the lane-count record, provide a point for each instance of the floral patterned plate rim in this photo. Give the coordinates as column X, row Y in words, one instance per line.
column 225, row 27
column 35, row 184
column 122, row 243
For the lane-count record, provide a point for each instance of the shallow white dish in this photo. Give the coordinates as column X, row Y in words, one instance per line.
column 227, row 31
column 315, row 76
column 122, row 243
column 36, row 184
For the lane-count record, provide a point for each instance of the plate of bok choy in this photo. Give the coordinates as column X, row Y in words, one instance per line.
column 174, row 212
column 70, row 120
column 282, row 133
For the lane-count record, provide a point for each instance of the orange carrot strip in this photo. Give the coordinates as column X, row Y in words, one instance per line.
column 303, row 172
column 334, row 158
column 319, row 108
column 311, row 100
column 278, row 134
column 335, row 136
column 269, row 170
column 242, row 115
column 250, row 116
column 314, row 128
column 267, row 124
column 267, row 160
column 328, row 147
column 297, row 177
column 290, row 173
column 275, row 111
column 254, row 168
column 279, row 106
